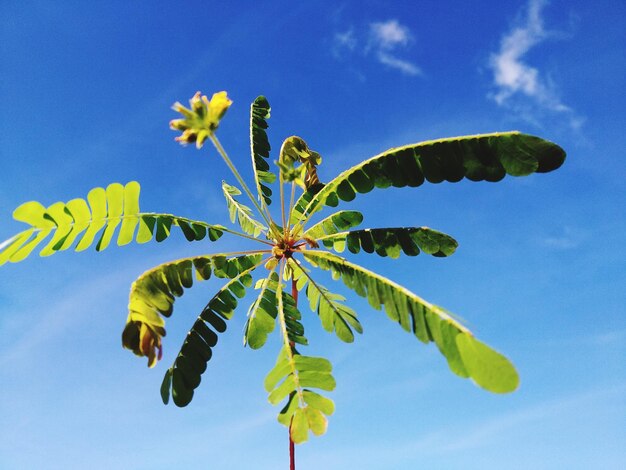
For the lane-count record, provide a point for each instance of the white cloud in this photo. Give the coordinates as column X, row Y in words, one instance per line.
column 568, row 239
column 513, row 77
column 383, row 39
column 402, row 65
column 389, row 35
column 345, row 40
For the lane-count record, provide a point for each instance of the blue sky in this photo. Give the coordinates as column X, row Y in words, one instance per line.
column 86, row 94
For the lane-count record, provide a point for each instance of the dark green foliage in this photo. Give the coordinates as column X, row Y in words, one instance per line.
column 487, row 157
column 260, row 147
column 392, row 241
column 185, row 374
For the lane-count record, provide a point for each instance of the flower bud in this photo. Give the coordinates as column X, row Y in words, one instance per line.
column 200, row 122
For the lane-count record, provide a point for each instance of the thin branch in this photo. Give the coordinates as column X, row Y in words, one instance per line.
column 240, row 234
column 282, row 200
column 317, row 286
column 243, row 184
column 291, row 201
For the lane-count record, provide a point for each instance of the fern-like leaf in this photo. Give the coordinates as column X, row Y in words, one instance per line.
column 82, row 222
column 262, row 313
column 260, row 148
column 466, row 356
column 185, row 374
column 487, row 157
column 341, row 220
column 333, row 314
column 293, row 376
column 392, row 241
column 152, row 296
column 241, row 213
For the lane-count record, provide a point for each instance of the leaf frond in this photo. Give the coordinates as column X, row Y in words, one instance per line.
column 260, row 148
column 96, row 220
column 184, row 376
column 262, row 313
column 486, row 157
column 392, row 241
column 341, row 220
column 152, row 296
column 466, row 356
column 333, row 314
column 241, row 213
column 293, row 376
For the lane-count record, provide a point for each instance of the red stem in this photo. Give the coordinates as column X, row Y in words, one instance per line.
column 294, row 291
column 292, row 453
column 292, row 447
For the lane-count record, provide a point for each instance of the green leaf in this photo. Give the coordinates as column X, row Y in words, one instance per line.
column 131, row 209
column 282, row 368
column 487, row 157
column 241, row 213
column 317, row 422
column 314, row 364
column 82, row 222
column 153, row 294
column 9, row 247
column 295, row 150
column 392, row 241
column 341, row 220
column 261, row 315
column 197, row 349
column 63, row 221
column 319, row 402
column 291, row 378
column 32, row 213
column 334, row 315
column 165, row 386
column 466, row 357
column 260, row 148
column 292, row 373
column 299, row 430
column 489, row 369
column 115, row 209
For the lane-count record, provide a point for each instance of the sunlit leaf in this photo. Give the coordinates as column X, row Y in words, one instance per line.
column 466, row 357
column 486, row 157
column 82, row 222
column 241, row 213
column 260, row 148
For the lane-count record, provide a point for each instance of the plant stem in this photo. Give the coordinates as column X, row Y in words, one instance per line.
column 239, row 234
column 293, row 193
column 292, row 447
column 281, row 184
column 246, row 252
column 243, row 184
column 292, row 453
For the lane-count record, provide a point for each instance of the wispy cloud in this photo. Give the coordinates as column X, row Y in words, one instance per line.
column 345, row 41
column 514, row 78
column 568, row 239
column 402, row 65
column 464, row 437
column 55, row 317
column 389, row 34
column 383, row 40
